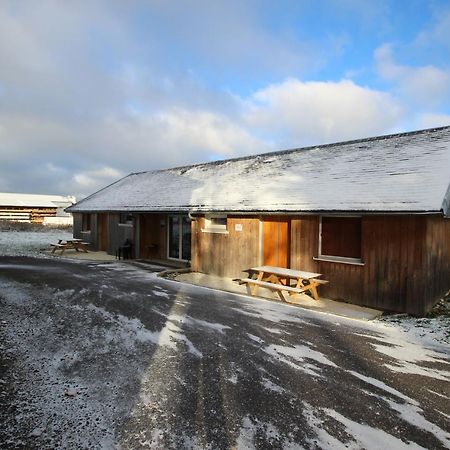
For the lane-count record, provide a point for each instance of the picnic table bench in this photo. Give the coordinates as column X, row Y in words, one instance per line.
column 76, row 244
column 281, row 280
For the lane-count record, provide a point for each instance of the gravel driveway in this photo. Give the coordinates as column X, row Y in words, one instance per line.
column 110, row 356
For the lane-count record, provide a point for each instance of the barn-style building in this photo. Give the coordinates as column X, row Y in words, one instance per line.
column 371, row 215
column 35, row 208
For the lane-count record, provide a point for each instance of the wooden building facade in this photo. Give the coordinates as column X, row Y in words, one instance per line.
column 33, row 208
column 378, row 236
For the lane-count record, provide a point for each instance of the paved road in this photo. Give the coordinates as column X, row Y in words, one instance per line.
column 110, row 356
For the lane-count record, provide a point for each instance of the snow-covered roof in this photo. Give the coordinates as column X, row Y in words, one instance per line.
column 34, row 200
column 407, row 172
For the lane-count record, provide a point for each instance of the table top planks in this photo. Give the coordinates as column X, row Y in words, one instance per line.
column 283, row 272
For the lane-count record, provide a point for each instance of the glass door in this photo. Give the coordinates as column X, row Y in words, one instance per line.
column 179, row 237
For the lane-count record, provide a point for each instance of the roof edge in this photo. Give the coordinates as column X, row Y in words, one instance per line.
column 96, row 192
column 292, row 150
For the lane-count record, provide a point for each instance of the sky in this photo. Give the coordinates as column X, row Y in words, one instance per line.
column 93, row 90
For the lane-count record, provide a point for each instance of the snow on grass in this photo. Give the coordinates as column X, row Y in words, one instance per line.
column 428, row 330
column 30, row 243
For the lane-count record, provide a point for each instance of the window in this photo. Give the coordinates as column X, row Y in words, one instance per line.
column 179, row 237
column 86, row 222
column 215, row 223
column 126, row 220
column 340, row 239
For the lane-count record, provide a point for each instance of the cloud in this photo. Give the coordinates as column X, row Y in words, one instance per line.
column 438, row 34
column 431, row 120
column 92, row 178
column 423, row 85
column 90, row 91
column 314, row 112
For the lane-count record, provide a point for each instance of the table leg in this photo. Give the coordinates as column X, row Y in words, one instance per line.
column 255, row 287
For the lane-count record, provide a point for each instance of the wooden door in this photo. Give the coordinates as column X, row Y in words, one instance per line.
column 276, row 241
column 103, row 232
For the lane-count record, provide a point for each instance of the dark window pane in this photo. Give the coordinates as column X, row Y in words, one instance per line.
column 86, row 225
column 219, row 221
column 174, row 237
column 186, row 243
column 341, row 236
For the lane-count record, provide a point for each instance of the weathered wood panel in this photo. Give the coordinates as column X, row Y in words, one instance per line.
column 113, row 233
column 304, row 242
column 153, row 236
column 394, row 275
column 276, row 241
column 437, row 259
column 226, row 254
column 103, row 232
column 77, row 225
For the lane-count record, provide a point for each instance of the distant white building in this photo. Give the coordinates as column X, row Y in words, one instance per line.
column 46, row 209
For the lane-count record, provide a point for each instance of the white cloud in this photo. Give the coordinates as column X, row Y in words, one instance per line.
column 314, row 112
column 424, row 85
column 96, row 178
column 431, row 120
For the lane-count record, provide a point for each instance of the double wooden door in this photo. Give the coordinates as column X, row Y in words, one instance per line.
column 276, row 241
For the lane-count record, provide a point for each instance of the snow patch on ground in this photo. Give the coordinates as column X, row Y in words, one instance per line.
column 30, row 243
column 296, row 357
column 368, row 437
column 409, row 352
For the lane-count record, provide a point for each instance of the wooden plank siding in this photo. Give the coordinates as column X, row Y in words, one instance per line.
column 153, row 236
column 276, row 241
column 437, row 259
column 226, row 254
column 403, row 258
column 77, row 225
column 406, row 258
column 102, row 232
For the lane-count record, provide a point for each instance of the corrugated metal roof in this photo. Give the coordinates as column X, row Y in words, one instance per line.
column 34, row 200
column 408, row 172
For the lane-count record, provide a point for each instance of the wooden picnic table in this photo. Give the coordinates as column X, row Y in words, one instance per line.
column 281, row 280
column 66, row 244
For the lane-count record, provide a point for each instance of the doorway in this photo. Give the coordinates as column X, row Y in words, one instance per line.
column 276, row 241
column 103, row 232
column 179, row 237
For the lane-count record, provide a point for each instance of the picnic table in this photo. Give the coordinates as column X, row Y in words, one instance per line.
column 66, row 244
column 280, row 280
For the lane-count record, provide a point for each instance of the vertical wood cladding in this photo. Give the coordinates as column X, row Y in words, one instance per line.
column 103, row 232
column 437, row 259
column 153, row 236
column 77, row 225
column 406, row 262
column 276, row 241
column 226, row 254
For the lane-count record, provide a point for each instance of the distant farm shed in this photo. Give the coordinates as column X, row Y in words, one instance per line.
column 371, row 215
column 35, row 208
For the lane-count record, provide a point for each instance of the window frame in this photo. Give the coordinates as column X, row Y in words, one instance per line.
column 86, row 223
column 333, row 258
column 214, row 228
column 126, row 219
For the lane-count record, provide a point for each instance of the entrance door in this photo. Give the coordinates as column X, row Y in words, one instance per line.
column 103, row 232
column 179, row 237
column 276, row 248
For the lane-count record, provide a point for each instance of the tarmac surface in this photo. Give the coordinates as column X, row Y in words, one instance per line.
column 108, row 355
